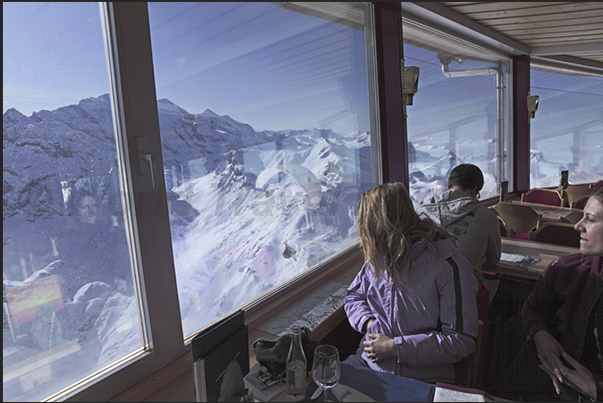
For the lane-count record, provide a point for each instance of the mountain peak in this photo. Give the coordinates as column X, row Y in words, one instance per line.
column 210, row 114
column 13, row 114
column 166, row 105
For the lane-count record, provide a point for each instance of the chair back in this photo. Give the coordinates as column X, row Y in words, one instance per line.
column 476, row 367
column 580, row 203
column 556, row 233
column 469, row 369
column 572, row 217
column 502, row 226
column 518, row 218
column 573, row 193
column 549, row 197
column 596, row 184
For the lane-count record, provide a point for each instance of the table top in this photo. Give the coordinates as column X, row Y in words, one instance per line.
column 549, row 213
column 379, row 386
column 546, row 252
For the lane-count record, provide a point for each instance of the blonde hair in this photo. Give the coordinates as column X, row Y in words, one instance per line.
column 388, row 227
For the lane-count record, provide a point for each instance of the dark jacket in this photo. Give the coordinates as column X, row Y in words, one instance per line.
column 563, row 300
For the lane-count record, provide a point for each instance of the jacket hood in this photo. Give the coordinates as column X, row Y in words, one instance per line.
column 445, row 248
column 447, row 207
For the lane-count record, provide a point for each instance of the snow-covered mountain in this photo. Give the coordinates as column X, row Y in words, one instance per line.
column 249, row 209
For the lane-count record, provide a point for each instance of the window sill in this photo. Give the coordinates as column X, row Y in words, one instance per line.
column 174, row 382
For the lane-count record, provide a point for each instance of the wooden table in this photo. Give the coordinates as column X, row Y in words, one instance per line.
column 546, row 252
column 549, row 213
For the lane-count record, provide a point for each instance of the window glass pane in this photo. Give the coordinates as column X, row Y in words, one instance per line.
column 265, row 123
column 567, row 130
column 458, row 114
column 69, row 307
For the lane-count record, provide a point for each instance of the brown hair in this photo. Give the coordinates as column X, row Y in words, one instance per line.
column 597, row 193
column 388, row 226
column 467, row 176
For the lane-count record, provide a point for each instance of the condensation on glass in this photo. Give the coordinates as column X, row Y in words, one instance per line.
column 265, row 128
column 459, row 114
column 567, row 131
column 69, row 307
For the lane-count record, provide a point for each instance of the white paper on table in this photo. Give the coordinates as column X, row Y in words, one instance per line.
column 449, row 395
column 511, row 257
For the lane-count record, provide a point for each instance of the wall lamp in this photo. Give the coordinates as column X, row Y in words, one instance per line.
column 532, row 105
column 410, row 83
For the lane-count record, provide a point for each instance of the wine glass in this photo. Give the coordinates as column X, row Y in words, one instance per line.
column 326, row 367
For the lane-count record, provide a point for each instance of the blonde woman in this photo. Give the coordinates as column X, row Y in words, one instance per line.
column 415, row 296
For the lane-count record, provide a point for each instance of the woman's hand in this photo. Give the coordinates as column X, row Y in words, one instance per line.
column 546, row 367
column 379, row 348
column 574, row 374
column 548, row 348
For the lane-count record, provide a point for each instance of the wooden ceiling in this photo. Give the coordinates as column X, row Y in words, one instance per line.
column 550, row 29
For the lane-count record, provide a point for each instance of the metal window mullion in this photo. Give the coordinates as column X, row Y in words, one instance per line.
column 135, row 106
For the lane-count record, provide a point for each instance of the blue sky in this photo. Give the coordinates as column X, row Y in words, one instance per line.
column 263, row 65
column 53, row 55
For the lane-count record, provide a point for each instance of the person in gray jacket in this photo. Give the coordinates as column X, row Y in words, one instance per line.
column 473, row 225
column 415, row 296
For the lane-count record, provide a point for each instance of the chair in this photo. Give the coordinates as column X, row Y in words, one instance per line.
column 556, row 233
column 477, row 361
column 573, row 193
column 502, row 226
column 572, row 217
column 596, row 184
column 469, row 368
column 519, row 219
column 580, row 203
column 549, row 197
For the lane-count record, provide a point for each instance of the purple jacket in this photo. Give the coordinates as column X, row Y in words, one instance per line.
column 432, row 316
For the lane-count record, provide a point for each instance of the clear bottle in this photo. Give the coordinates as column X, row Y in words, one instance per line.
column 296, row 367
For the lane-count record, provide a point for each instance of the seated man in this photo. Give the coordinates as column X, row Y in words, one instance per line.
column 473, row 225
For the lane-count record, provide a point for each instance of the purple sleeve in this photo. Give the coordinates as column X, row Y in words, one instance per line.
column 356, row 305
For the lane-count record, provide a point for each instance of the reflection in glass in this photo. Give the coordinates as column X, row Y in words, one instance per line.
column 69, row 308
column 458, row 113
column 264, row 122
column 567, row 132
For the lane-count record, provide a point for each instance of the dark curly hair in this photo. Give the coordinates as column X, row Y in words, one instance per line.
column 467, row 176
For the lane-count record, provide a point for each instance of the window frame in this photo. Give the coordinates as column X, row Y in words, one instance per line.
column 559, row 67
column 504, row 126
column 134, row 103
column 136, row 122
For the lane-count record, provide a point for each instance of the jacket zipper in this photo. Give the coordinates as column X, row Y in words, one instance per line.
column 391, row 316
column 587, row 316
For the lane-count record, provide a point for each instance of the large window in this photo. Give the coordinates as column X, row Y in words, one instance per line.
column 70, row 306
column 266, row 141
column 261, row 123
column 459, row 113
column 567, row 130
